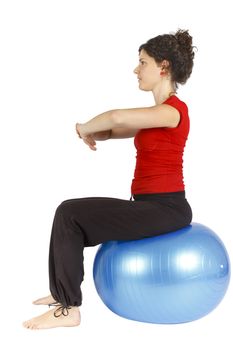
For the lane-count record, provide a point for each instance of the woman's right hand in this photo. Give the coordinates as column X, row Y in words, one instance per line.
column 90, row 142
column 90, row 139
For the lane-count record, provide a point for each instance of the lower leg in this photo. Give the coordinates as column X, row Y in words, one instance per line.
column 66, row 258
column 66, row 275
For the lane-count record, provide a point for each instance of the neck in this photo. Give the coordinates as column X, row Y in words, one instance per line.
column 163, row 92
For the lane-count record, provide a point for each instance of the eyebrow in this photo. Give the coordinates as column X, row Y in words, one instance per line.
column 141, row 58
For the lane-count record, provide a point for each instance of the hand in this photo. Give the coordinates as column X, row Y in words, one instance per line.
column 87, row 139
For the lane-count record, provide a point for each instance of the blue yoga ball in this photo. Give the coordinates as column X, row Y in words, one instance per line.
column 176, row 277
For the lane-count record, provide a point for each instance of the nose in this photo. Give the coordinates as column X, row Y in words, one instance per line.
column 136, row 70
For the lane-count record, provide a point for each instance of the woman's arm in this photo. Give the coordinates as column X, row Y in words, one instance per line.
column 137, row 118
column 115, row 133
column 122, row 123
column 123, row 133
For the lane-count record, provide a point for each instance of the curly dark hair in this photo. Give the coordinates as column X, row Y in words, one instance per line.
column 177, row 49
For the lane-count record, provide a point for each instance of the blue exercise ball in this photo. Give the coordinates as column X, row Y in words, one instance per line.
column 176, row 277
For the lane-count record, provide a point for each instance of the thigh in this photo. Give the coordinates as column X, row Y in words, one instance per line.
column 102, row 219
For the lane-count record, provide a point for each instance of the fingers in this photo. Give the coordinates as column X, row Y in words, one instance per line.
column 89, row 141
column 93, row 148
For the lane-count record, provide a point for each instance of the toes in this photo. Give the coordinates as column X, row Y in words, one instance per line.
column 25, row 324
column 32, row 326
column 28, row 324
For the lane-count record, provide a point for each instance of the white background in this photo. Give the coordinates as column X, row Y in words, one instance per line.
column 63, row 62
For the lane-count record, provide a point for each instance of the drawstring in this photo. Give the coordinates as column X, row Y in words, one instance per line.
column 61, row 310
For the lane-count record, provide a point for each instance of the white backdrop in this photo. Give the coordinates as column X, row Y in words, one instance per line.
column 63, row 62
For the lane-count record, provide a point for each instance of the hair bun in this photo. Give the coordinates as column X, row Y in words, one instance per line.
column 184, row 39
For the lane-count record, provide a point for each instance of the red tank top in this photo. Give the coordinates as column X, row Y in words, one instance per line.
column 159, row 159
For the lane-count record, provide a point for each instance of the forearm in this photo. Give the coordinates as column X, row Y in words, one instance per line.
column 102, row 122
column 102, row 135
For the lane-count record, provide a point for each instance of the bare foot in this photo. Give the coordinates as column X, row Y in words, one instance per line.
column 45, row 300
column 48, row 320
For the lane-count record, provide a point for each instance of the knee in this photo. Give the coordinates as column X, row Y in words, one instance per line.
column 64, row 207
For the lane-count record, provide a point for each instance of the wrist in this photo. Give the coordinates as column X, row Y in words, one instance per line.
column 83, row 130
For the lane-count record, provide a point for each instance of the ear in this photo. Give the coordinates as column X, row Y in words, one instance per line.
column 164, row 65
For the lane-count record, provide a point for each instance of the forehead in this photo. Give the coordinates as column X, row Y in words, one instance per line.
column 149, row 60
column 144, row 55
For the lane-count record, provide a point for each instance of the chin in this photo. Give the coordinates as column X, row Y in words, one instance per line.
column 144, row 88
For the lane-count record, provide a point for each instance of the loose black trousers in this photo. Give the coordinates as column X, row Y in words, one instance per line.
column 86, row 222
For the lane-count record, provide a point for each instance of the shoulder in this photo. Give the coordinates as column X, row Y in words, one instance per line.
column 182, row 108
column 177, row 103
column 168, row 113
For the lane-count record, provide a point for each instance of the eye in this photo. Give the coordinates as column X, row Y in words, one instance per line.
column 142, row 63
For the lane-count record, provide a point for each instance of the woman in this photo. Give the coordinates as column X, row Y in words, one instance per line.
column 159, row 206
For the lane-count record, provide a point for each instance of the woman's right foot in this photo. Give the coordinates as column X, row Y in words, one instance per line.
column 45, row 300
column 50, row 320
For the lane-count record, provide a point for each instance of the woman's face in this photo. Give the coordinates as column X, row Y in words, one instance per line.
column 148, row 72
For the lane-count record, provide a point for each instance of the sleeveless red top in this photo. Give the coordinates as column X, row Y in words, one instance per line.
column 159, row 159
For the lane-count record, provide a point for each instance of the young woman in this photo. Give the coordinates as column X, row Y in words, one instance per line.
column 159, row 204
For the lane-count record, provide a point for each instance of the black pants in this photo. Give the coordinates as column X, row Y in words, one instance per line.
column 85, row 222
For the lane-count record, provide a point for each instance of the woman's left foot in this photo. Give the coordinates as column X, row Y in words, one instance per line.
column 44, row 301
column 48, row 320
